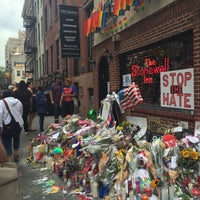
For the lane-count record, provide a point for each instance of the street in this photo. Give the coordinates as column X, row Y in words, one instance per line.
column 29, row 173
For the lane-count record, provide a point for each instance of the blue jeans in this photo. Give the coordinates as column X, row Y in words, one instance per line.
column 10, row 142
column 57, row 111
column 41, row 121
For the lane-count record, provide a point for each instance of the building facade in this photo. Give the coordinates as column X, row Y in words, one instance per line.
column 44, row 45
column 156, row 45
column 15, row 57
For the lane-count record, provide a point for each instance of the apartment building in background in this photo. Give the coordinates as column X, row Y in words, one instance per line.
column 15, row 57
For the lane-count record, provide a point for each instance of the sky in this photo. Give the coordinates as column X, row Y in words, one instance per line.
column 10, row 22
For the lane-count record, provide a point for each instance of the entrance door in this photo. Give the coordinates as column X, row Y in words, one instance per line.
column 103, row 78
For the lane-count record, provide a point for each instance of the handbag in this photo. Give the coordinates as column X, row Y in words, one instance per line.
column 13, row 128
column 76, row 101
column 9, row 187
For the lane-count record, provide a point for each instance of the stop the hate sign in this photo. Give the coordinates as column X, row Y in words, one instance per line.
column 177, row 89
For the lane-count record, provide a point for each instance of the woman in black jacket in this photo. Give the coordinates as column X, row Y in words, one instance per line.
column 24, row 95
column 41, row 106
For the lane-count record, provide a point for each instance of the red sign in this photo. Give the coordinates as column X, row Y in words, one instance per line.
column 150, row 68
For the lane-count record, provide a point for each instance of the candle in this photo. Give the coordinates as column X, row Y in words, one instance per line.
column 112, row 195
column 123, row 193
column 145, row 197
column 94, row 189
column 131, row 195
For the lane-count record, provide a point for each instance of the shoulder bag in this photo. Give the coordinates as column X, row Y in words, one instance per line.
column 13, row 128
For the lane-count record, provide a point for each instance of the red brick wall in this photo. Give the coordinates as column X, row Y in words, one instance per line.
column 178, row 17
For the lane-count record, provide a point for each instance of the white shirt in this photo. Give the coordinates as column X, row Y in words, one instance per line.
column 16, row 109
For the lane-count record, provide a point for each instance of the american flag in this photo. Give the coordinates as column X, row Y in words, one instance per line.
column 130, row 97
column 110, row 120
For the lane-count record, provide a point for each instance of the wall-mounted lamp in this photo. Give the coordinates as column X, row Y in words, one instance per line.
column 107, row 54
column 115, row 39
column 91, row 61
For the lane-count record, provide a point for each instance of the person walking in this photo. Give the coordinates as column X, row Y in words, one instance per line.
column 24, row 95
column 41, row 106
column 1, row 91
column 66, row 101
column 11, row 142
column 55, row 95
column 32, row 113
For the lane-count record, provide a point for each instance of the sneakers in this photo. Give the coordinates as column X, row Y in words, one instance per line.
column 16, row 158
column 26, row 133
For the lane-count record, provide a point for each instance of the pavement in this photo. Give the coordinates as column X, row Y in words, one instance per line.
column 30, row 173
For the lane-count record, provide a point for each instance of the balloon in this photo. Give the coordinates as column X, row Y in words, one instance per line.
column 57, row 151
column 92, row 114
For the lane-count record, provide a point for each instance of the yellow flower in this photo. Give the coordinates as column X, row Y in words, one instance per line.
column 186, row 153
column 119, row 128
column 194, row 155
column 155, row 182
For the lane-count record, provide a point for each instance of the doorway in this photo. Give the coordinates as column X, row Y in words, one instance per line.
column 103, row 78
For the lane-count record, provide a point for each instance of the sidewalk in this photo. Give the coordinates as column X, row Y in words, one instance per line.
column 28, row 173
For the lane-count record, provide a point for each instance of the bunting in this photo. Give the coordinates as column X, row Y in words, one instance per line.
column 98, row 18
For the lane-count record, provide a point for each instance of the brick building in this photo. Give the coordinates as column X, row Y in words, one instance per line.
column 141, row 42
column 43, row 46
column 161, row 33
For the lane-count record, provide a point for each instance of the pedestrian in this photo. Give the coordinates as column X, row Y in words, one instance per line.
column 41, row 106
column 1, row 91
column 11, row 87
column 3, row 154
column 66, row 101
column 24, row 95
column 11, row 142
column 32, row 113
column 76, row 99
column 55, row 95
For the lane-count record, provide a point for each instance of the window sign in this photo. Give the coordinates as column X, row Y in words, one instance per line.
column 177, row 89
column 145, row 65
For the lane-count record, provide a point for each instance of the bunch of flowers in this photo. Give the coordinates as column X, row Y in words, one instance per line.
column 188, row 161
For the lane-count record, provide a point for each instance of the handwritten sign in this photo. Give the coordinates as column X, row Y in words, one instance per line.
column 177, row 89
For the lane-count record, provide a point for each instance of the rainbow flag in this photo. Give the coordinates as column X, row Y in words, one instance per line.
column 87, row 26
column 117, row 7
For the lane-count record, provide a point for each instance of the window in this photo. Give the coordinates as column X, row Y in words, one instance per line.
column 42, row 30
column 145, row 64
column 42, row 67
column 18, row 73
column 58, row 54
column 47, row 62
column 38, row 6
column 45, row 15
column 39, row 34
column 76, row 67
column 50, row 14
column 52, row 58
column 56, row 8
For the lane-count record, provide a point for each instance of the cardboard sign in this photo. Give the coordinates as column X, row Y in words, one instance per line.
column 177, row 89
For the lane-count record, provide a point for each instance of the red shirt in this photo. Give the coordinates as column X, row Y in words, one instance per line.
column 66, row 91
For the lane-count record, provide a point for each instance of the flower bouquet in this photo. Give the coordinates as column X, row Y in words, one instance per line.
column 188, row 161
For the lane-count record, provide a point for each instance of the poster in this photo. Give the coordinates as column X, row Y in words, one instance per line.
column 197, row 128
column 141, row 122
column 126, row 80
column 177, row 89
column 105, row 110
